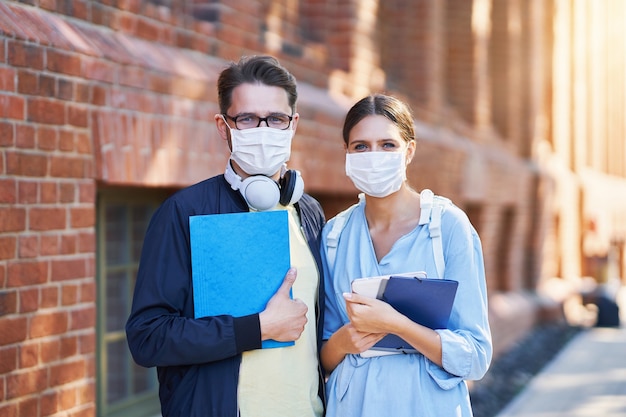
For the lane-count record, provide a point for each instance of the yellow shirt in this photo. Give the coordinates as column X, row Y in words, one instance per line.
column 283, row 382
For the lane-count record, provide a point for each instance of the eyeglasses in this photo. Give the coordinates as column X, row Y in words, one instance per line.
column 249, row 121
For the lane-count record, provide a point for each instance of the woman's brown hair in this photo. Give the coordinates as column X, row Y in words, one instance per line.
column 380, row 104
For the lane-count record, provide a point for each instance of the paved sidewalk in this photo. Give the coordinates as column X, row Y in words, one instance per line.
column 586, row 379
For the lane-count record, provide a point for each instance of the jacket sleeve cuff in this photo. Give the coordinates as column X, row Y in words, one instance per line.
column 247, row 332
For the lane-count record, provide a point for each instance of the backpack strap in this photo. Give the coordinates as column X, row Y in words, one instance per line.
column 432, row 207
column 332, row 239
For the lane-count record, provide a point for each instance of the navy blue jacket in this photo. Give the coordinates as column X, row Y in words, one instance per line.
column 197, row 360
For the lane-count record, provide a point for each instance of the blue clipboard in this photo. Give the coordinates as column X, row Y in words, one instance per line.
column 427, row 301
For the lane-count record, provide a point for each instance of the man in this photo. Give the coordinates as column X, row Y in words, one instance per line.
column 214, row 366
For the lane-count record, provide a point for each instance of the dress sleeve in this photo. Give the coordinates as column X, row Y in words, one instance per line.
column 161, row 329
column 466, row 344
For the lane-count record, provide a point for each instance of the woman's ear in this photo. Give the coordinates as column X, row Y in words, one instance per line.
column 410, row 151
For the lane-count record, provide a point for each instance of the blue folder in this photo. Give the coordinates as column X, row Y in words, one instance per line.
column 238, row 261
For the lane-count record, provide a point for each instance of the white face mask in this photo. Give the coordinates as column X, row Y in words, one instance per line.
column 376, row 173
column 261, row 150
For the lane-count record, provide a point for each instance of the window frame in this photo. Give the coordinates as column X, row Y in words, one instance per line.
column 138, row 405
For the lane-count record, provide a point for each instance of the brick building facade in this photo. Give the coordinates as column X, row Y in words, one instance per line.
column 106, row 107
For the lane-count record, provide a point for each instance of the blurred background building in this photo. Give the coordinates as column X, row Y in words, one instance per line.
column 107, row 107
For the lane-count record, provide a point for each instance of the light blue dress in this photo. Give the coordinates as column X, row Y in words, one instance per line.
column 409, row 385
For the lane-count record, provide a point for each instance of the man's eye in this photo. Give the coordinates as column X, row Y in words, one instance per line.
column 245, row 119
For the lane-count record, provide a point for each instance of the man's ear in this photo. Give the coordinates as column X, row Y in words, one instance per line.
column 294, row 121
column 222, row 127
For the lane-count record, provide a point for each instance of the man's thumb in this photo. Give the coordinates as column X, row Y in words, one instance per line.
column 290, row 278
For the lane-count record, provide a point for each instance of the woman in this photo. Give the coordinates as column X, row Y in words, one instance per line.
column 383, row 235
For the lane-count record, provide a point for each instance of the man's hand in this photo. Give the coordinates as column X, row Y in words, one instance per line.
column 283, row 318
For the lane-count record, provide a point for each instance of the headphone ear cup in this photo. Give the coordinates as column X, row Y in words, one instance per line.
column 291, row 187
column 260, row 192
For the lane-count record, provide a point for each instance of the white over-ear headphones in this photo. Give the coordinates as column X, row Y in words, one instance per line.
column 263, row 193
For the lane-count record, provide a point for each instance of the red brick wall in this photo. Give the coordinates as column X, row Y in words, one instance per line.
column 47, row 237
column 122, row 93
column 84, row 104
column 80, row 105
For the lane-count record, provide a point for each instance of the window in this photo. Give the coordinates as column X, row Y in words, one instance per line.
column 474, row 212
column 459, row 58
column 123, row 387
column 503, row 267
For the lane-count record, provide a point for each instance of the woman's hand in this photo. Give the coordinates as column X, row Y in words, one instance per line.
column 375, row 316
column 369, row 315
column 350, row 340
column 347, row 339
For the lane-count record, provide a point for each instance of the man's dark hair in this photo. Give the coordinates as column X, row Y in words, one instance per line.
column 255, row 70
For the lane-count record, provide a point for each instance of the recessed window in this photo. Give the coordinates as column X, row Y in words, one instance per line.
column 124, row 388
